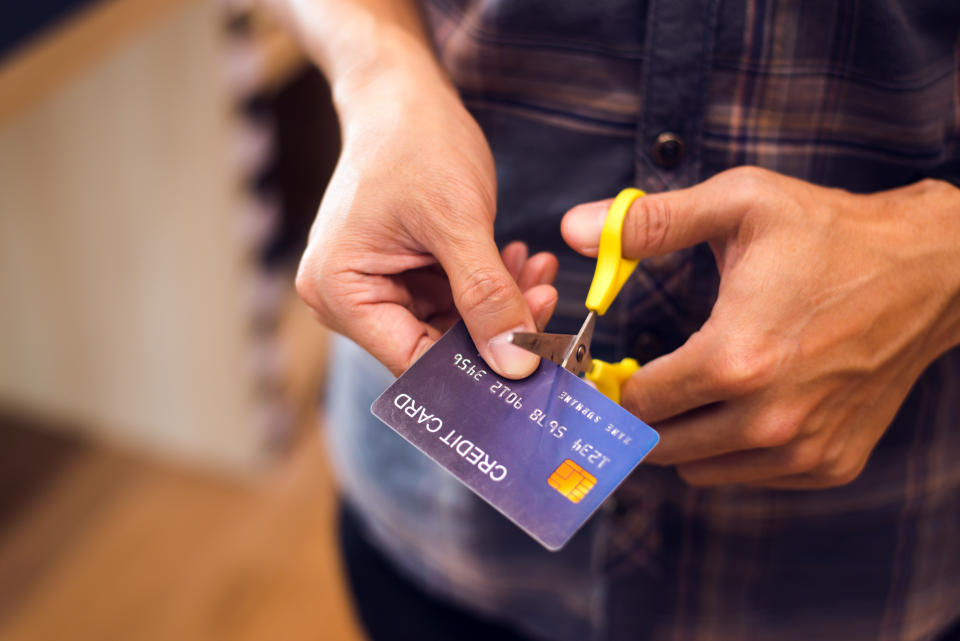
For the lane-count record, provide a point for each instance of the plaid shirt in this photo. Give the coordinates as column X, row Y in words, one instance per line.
column 858, row 94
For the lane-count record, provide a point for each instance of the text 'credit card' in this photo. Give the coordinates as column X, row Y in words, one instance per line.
column 545, row 451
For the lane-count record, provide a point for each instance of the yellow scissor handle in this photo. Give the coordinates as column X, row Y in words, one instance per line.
column 609, row 377
column 612, row 268
column 612, row 272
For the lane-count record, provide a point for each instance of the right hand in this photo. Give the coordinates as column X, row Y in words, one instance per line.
column 404, row 241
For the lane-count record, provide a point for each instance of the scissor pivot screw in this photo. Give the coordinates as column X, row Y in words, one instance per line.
column 580, row 352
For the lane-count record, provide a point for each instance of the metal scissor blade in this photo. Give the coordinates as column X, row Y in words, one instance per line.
column 578, row 359
column 569, row 352
column 552, row 347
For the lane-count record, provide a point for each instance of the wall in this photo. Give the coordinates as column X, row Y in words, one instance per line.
column 122, row 274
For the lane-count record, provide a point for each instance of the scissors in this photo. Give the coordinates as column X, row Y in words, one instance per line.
column 572, row 352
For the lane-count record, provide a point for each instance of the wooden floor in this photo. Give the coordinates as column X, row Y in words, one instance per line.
column 101, row 545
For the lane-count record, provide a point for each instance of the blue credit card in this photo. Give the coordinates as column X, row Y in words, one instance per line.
column 545, row 451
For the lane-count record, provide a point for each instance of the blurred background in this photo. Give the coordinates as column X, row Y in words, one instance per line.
column 161, row 471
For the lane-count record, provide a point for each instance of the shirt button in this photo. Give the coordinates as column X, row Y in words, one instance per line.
column 667, row 150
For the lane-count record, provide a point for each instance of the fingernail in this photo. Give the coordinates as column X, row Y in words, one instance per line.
column 585, row 225
column 514, row 262
column 508, row 359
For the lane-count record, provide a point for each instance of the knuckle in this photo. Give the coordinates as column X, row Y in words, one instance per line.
column 776, row 428
column 485, row 288
column 769, row 433
column 935, row 186
column 843, row 472
column 649, row 224
column 750, row 174
column 742, row 371
column 750, row 183
column 306, row 281
column 804, row 457
column 833, row 452
column 750, row 177
column 309, row 286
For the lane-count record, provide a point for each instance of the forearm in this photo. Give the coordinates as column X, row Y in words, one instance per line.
column 362, row 45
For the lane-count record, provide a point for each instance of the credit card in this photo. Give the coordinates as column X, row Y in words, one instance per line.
column 545, row 451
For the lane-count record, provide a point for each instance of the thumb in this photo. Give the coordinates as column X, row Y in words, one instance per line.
column 655, row 224
column 489, row 300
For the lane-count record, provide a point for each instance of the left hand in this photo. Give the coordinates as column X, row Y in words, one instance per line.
column 830, row 306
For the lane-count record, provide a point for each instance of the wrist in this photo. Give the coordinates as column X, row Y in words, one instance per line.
column 393, row 71
column 372, row 52
column 930, row 212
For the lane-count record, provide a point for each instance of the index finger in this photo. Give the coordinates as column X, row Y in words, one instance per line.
column 674, row 383
column 701, row 434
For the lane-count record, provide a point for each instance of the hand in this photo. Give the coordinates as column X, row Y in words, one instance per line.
column 404, row 235
column 830, row 306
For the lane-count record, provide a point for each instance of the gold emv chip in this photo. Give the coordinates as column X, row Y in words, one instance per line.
column 572, row 481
